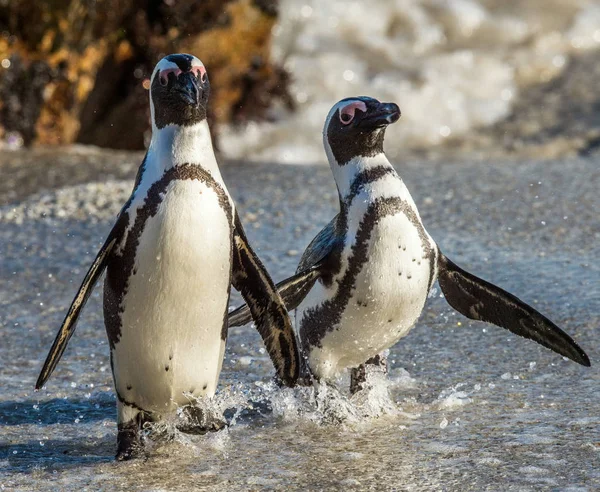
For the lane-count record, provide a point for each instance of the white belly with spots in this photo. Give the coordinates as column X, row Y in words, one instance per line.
column 175, row 304
column 387, row 299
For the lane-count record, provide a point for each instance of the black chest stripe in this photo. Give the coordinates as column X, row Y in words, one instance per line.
column 318, row 321
column 333, row 263
column 368, row 176
column 121, row 266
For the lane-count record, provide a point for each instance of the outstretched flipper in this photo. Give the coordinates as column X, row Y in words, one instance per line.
column 294, row 289
column 268, row 311
column 70, row 322
column 480, row 300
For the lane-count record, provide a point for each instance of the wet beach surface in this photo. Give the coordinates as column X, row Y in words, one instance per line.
column 471, row 406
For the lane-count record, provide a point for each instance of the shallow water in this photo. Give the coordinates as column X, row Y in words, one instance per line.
column 468, row 406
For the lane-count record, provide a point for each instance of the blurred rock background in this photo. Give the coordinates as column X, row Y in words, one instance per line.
column 77, row 70
column 482, row 77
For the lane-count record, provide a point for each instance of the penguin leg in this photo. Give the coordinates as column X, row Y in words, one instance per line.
column 130, row 420
column 195, row 420
column 358, row 375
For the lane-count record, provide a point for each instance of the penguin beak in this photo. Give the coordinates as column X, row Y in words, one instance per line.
column 384, row 114
column 187, row 87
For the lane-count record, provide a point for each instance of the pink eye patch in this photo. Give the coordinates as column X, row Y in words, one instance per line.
column 348, row 111
column 164, row 74
column 198, row 70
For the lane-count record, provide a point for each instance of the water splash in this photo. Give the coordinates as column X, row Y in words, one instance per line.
column 331, row 404
column 202, row 416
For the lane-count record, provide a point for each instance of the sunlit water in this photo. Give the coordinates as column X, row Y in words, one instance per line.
column 467, row 406
column 453, row 66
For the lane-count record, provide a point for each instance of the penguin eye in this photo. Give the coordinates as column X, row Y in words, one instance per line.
column 203, row 77
column 347, row 114
column 163, row 75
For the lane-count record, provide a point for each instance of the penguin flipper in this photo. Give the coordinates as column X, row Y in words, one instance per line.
column 70, row 322
column 292, row 290
column 328, row 239
column 251, row 279
column 480, row 300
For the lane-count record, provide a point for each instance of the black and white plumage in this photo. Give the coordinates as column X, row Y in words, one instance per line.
column 363, row 281
column 171, row 258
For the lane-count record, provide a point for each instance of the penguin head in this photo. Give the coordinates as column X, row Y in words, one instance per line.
column 179, row 91
column 355, row 127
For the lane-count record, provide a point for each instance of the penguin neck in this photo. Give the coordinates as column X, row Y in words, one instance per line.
column 346, row 175
column 173, row 145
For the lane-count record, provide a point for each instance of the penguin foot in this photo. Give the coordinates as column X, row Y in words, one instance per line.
column 199, row 421
column 358, row 375
column 129, row 444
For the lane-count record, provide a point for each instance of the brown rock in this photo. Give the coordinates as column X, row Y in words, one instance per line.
column 77, row 68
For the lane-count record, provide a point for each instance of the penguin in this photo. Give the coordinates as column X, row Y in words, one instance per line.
column 171, row 258
column 363, row 281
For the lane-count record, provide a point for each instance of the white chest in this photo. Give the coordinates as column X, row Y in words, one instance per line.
column 176, row 300
column 386, row 295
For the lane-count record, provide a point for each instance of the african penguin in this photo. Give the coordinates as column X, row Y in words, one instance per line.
column 170, row 259
column 363, row 281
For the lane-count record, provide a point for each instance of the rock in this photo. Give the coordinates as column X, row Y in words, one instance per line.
column 77, row 71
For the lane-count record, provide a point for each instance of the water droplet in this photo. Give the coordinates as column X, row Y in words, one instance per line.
column 306, row 11
column 348, row 75
column 445, row 131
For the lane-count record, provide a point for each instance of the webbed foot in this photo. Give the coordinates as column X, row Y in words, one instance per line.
column 200, row 421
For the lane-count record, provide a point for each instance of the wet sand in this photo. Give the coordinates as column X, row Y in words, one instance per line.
column 473, row 407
